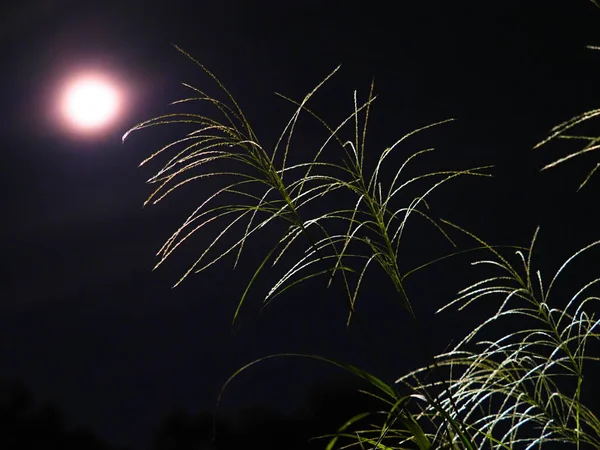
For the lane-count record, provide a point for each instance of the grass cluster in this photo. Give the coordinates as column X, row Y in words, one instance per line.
column 494, row 389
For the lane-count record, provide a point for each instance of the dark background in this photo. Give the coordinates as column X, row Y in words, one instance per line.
column 85, row 324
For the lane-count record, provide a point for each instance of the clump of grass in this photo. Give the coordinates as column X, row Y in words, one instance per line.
column 372, row 222
column 517, row 389
column 521, row 388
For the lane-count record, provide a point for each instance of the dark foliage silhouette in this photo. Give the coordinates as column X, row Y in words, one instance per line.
column 25, row 426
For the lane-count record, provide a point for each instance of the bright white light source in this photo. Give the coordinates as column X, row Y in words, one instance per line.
column 90, row 103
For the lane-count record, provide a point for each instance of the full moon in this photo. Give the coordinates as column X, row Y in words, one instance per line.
column 90, row 103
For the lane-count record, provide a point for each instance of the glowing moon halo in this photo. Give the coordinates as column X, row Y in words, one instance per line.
column 90, row 103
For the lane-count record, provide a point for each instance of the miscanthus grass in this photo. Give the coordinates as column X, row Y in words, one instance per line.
column 338, row 218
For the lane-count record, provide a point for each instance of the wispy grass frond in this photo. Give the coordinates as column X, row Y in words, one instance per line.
column 261, row 188
column 592, row 143
column 522, row 388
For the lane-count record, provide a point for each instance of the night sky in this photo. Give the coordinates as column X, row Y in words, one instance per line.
column 87, row 324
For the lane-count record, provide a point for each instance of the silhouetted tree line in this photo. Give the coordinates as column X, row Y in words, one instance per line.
column 328, row 406
column 23, row 426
